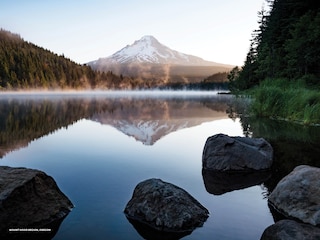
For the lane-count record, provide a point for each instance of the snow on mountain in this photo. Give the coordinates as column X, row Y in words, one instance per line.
column 149, row 50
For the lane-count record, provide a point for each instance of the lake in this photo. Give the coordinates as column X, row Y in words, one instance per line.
column 99, row 145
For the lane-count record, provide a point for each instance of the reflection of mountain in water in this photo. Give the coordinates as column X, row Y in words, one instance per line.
column 148, row 120
column 25, row 118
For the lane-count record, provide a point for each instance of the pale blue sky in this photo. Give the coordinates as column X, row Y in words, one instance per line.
column 87, row 30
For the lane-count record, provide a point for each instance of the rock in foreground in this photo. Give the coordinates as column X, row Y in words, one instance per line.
column 29, row 198
column 298, row 195
column 165, row 207
column 290, row 230
column 224, row 153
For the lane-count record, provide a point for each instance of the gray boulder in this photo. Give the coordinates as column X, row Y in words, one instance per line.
column 298, row 195
column 290, row 230
column 165, row 207
column 224, row 153
column 29, row 198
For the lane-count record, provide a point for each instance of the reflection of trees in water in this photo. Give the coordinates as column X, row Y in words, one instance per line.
column 293, row 144
column 239, row 108
column 25, row 119
column 220, row 104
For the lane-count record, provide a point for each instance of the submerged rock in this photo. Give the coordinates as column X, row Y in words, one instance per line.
column 298, row 195
column 289, row 230
column 149, row 233
column 220, row 182
column 224, row 153
column 165, row 207
column 29, row 198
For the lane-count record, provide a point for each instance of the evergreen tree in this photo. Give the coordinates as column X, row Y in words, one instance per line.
column 286, row 45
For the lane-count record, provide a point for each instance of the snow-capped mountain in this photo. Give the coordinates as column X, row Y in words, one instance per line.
column 151, row 64
column 149, row 50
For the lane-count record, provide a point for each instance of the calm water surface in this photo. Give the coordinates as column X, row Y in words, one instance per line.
column 99, row 146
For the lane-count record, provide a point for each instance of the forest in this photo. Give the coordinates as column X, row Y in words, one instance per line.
column 286, row 45
column 23, row 65
column 282, row 67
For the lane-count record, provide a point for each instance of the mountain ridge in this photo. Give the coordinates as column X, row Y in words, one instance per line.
column 149, row 50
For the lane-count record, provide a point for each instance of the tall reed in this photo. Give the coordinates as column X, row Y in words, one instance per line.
column 289, row 100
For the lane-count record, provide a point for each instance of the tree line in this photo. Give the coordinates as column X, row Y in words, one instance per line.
column 23, row 120
column 24, row 65
column 286, row 45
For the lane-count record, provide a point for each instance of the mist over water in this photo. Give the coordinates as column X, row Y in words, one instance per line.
column 155, row 93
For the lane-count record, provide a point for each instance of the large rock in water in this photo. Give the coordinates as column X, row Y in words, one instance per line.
column 29, row 198
column 165, row 207
column 224, row 153
column 290, row 230
column 298, row 195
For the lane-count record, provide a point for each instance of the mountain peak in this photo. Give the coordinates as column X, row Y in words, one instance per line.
column 148, row 38
column 146, row 41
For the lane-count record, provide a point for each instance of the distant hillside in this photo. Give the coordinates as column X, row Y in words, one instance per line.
column 24, row 65
column 163, row 74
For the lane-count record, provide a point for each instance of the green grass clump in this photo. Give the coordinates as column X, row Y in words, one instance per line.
column 289, row 100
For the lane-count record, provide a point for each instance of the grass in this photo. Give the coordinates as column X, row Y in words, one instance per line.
column 288, row 100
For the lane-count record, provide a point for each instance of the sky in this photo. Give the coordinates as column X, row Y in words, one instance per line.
column 84, row 30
